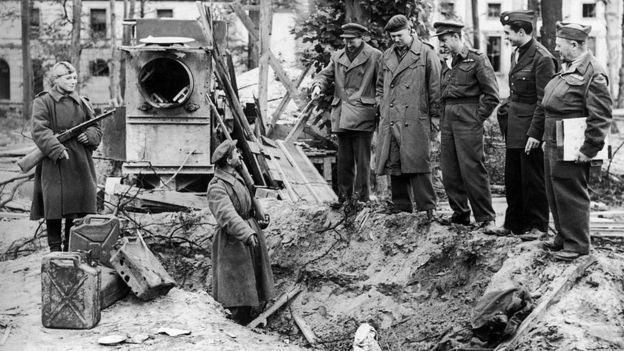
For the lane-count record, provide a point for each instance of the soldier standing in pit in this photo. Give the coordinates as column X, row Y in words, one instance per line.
column 65, row 181
column 408, row 92
column 242, row 276
column 469, row 94
column 354, row 110
column 532, row 66
column 580, row 89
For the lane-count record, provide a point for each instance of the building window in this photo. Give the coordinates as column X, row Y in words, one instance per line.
column 98, row 68
column 591, row 44
column 5, row 80
column 164, row 13
column 589, row 10
column 494, row 10
column 494, row 52
column 447, row 9
column 98, row 23
column 35, row 18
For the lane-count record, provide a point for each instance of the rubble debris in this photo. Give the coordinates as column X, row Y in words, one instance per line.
column 111, row 340
column 365, row 339
column 173, row 331
column 304, row 327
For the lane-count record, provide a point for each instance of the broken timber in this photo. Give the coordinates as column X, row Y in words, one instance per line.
column 572, row 274
column 281, row 301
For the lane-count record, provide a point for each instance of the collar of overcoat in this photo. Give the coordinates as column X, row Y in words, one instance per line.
column 525, row 59
column 56, row 95
column 226, row 176
column 581, row 67
column 413, row 55
column 359, row 60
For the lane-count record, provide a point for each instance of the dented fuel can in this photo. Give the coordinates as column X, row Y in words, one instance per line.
column 70, row 291
column 96, row 233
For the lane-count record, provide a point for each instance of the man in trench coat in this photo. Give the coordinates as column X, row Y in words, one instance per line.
column 241, row 272
column 408, row 92
column 469, row 94
column 532, row 66
column 354, row 110
column 65, row 183
column 580, row 89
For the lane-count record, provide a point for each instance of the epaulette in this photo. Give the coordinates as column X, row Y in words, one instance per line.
column 41, row 94
column 475, row 51
column 600, row 78
column 542, row 50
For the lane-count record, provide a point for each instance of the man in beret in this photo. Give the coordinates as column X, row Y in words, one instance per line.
column 354, row 111
column 408, row 92
column 532, row 66
column 65, row 183
column 469, row 95
column 242, row 278
column 580, row 89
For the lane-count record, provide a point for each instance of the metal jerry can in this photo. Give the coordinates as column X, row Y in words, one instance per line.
column 70, row 291
column 96, row 233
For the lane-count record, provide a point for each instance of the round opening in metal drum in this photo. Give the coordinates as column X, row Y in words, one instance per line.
column 166, row 82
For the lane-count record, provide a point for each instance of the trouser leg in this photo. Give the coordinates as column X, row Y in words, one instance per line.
column 362, row 153
column 451, row 178
column 424, row 197
column 400, row 185
column 535, row 205
column 345, row 166
column 549, row 162
column 68, row 225
column 514, row 215
column 53, row 228
column 241, row 314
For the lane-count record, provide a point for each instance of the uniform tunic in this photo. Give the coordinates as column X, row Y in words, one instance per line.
column 580, row 91
column 241, row 274
column 532, row 67
column 408, row 91
column 68, row 187
column 353, row 116
column 469, row 95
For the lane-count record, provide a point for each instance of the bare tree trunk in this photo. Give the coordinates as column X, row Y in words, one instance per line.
column 355, row 13
column 27, row 74
column 76, row 48
column 252, row 53
column 533, row 5
column 113, row 71
column 614, row 33
column 476, row 34
column 620, row 100
column 266, row 16
column 551, row 13
column 142, row 9
column 125, row 40
column 132, row 11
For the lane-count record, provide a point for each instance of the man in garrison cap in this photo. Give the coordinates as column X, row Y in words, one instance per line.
column 65, row 185
column 242, row 279
column 354, row 72
column 469, row 95
column 580, row 89
column 532, row 66
column 408, row 92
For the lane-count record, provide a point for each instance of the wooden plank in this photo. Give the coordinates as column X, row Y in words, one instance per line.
column 285, row 100
column 295, row 165
column 315, row 179
column 301, row 122
column 305, row 328
column 265, row 46
column 172, row 198
column 273, row 61
column 281, row 301
column 572, row 275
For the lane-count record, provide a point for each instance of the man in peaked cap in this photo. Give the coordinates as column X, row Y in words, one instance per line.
column 408, row 91
column 354, row 72
column 242, row 278
column 532, row 66
column 580, row 89
column 469, row 95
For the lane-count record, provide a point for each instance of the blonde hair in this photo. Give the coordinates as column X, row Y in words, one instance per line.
column 60, row 69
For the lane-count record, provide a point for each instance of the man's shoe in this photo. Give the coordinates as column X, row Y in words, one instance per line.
column 533, row 234
column 567, row 256
column 551, row 246
column 488, row 226
column 499, row 231
column 456, row 219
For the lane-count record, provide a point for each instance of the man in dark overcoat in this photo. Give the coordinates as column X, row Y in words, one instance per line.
column 241, row 272
column 354, row 110
column 408, row 92
column 65, row 183
column 469, row 94
column 580, row 89
column 532, row 66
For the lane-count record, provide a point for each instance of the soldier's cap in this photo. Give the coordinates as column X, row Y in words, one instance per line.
column 353, row 30
column 60, row 69
column 519, row 15
column 223, row 150
column 573, row 31
column 446, row 27
column 397, row 23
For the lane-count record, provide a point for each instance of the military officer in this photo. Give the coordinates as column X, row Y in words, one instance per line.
column 242, row 278
column 469, row 94
column 532, row 66
column 354, row 110
column 580, row 89
column 408, row 91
